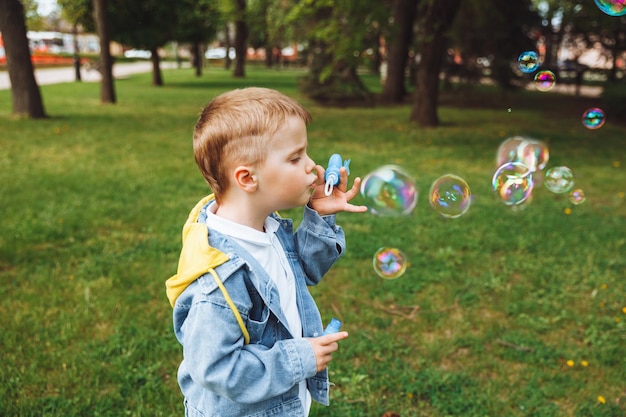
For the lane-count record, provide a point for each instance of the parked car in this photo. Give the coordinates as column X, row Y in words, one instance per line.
column 219, row 53
column 138, row 53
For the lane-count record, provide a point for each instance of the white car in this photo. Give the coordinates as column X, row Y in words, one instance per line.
column 219, row 53
column 138, row 53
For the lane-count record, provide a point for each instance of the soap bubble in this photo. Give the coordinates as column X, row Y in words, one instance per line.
column 593, row 118
column 507, row 151
column 545, row 80
column 389, row 263
column 389, row 191
column 534, row 154
column 513, row 183
column 528, row 61
column 559, row 179
column 530, row 152
column 612, row 7
column 450, row 196
column 577, row 196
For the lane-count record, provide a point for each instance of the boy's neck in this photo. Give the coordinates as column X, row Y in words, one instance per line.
column 243, row 212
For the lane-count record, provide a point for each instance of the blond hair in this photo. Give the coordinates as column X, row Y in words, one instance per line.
column 235, row 127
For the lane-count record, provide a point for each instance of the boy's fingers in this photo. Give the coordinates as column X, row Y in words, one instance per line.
column 334, row 337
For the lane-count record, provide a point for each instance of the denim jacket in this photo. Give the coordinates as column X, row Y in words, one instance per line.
column 220, row 374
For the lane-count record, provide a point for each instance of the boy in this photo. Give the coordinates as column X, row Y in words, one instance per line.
column 250, row 330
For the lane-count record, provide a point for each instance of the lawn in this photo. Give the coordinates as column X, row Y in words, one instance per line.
column 501, row 312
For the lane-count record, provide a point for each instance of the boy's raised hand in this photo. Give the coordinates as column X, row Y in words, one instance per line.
column 339, row 199
column 324, row 346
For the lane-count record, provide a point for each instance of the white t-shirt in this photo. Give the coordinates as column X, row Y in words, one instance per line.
column 267, row 250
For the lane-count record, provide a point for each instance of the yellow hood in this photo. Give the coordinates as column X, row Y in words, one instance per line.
column 197, row 257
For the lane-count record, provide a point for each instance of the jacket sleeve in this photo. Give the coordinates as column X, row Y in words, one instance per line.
column 216, row 358
column 320, row 243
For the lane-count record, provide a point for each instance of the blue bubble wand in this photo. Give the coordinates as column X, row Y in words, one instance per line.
column 331, row 176
column 333, row 326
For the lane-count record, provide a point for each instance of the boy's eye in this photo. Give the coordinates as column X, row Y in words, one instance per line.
column 295, row 159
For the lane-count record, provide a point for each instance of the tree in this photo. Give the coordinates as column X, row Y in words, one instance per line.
column 401, row 34
column 145, row 24
column 26, row 97
column 495, row 32
column 337, row 32
column 101, row 17
column 78, row 13
column 435, row 18
column 197, row 23
column 241, row 35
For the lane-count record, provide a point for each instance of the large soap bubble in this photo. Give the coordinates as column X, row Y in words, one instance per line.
column 390, row 191
column 450, row 196
column 612, row 7
column 531, row 152
column 559, row 179
column 389, row 263
column 513, row 183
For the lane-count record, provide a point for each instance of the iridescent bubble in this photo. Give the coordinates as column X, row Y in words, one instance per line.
column 559, row 179
column 389, row 263
column 545, row 80
column 389, row 191
column 528, row 61
column 530, row 152
column 593, row 118
column 612, row 7
column 577, row 196
column 513, row 183
column 450, row 196
column 533, row 153
column 507, row 151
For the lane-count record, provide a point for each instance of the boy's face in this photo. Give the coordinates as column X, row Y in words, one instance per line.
column 287, row 176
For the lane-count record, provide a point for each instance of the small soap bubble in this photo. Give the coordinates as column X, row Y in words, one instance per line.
column 450, row 196
column 513, row 183
column 612, row 7
column 593, row 118
column 389, row 191
column 389, row 263
column 545, row 80
column 528, row 61
column 577, row 196
column 530, row 152
column 559, row 179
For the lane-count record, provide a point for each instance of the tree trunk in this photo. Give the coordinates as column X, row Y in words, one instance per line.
column 107, row 87
column 197, row 58
column 437, row 18
column 25, row 92
column 397, row 55
column 157, row 76
column 227, row 45
column 77, row 75
column 241, row 34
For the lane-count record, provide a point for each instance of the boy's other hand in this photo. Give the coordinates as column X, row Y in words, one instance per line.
column 324, row 346
column 339, row 199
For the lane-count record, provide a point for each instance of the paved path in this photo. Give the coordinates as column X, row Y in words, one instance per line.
column 66, row 74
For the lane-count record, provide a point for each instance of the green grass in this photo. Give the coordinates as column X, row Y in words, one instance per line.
column 483, row 323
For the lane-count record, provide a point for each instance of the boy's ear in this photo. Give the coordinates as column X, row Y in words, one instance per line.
column 245, row 178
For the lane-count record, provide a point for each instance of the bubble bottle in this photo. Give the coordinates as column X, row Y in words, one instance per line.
column 333, row 326
column 331, row 176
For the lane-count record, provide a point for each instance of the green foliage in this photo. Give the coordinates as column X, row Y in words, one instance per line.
column 144, row 24
column 500, row 312
column 337, row 32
